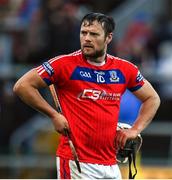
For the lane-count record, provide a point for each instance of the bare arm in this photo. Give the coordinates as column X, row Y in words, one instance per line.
column 150, row 104
column 27, row 89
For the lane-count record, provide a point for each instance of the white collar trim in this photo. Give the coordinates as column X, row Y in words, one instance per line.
column 95, row 63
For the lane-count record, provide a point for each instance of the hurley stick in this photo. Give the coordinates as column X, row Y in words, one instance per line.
column 57, row 104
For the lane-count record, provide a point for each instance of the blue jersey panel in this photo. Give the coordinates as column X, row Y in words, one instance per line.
column 112, row 76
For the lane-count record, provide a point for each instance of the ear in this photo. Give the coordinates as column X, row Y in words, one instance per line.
column 109, row 38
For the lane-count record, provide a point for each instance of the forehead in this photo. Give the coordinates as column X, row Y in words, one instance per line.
column 94, row 26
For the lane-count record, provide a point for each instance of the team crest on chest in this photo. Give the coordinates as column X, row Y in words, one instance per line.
column 113, row 76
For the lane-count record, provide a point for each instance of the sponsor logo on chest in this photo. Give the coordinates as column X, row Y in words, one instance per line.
column 95, row 94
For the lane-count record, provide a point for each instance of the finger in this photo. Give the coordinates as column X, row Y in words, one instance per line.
column 123, row 141
column 63, row 132
column 67, row 126
column 118, row 139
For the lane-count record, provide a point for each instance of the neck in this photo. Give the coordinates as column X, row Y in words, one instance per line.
column 96, row 63
column 100, row 59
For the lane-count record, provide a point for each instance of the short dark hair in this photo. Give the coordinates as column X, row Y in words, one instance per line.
column 107, row 22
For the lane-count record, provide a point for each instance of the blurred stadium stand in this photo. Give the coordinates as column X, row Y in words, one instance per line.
column 35, row 30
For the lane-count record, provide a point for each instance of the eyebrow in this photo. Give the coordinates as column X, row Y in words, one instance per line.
column 91, row 32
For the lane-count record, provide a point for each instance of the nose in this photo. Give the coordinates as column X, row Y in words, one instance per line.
column 87, row 37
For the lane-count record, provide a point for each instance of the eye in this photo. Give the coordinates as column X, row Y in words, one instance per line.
column 83, row 32
column 94, row 34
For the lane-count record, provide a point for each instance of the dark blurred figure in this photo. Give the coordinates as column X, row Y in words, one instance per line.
column 162, row 32
column 52, row 28
column 133, row 45
column 12, row 114
column 61, row 25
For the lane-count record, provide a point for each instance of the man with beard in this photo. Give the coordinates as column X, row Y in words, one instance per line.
column 89, row 84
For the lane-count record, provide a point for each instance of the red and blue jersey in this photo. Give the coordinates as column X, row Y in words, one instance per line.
column 90, row 97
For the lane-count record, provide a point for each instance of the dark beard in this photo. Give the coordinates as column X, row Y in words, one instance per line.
column 95, row 55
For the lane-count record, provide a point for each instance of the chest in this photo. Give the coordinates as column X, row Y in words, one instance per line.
column 89, row 82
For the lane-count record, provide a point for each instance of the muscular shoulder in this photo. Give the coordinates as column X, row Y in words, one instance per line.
column 120, row 62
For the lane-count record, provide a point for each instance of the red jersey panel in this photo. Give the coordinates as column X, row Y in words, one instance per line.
column 90, row 96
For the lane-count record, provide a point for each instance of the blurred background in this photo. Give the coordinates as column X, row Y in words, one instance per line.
column 32, row 31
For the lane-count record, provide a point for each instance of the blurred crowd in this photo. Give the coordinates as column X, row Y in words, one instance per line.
column 33, row 31
column 41, row 29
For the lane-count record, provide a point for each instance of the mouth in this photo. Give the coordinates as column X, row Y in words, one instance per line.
column 87, row 46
